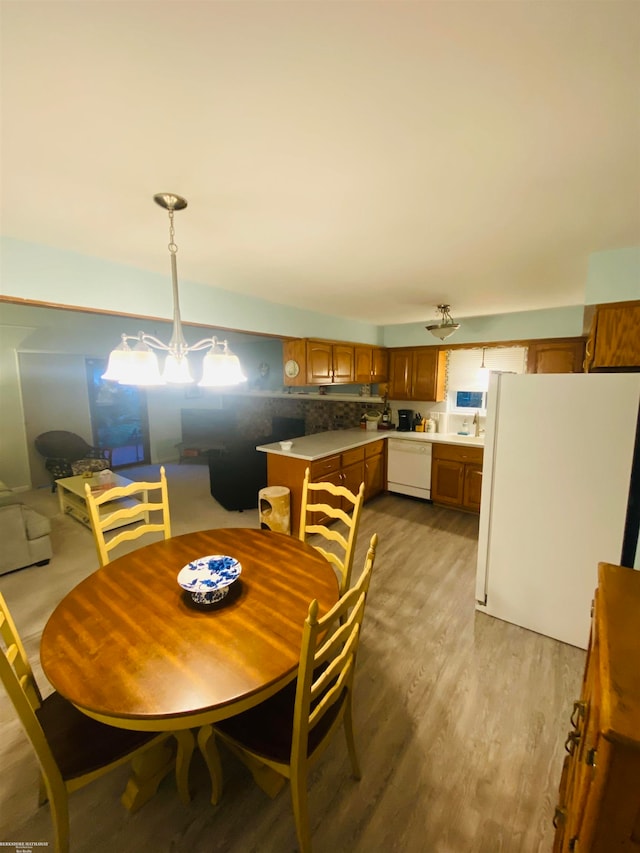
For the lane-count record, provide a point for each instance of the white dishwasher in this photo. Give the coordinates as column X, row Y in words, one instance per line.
column 409, row 467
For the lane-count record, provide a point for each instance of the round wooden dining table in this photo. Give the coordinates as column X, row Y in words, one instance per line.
column 129, row 647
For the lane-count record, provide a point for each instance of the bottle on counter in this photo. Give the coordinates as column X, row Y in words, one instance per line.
column 363, row 421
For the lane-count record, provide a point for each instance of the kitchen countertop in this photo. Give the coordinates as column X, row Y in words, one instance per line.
column 312, row 447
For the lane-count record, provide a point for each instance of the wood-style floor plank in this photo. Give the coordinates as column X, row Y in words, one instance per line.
column 460, row 723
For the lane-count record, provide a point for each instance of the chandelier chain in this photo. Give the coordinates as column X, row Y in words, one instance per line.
column 172, row 234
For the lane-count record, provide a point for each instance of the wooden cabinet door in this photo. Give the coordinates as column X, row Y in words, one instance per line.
column 447, row 482
column 336, row 479
column 373, row 476
column 556, row 357
column 472, row 486
column 427, row 378
column 342, row 363
column 295, row 351
column 319, row 363
column 379, row 365
column 400, row 367
column 352, row 478
column 363, row 363
column 617, row 335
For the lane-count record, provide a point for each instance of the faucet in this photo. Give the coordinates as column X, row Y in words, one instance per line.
column 476, row 423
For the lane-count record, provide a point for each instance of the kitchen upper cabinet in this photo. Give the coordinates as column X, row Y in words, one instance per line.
column 614, row 340
column 400, row 364
column 294, row 362
column 371, row 364
column 456, row 476
column 329, row 363
column 556, row 356
column 417, row 373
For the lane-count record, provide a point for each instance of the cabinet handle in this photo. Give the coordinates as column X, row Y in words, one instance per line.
column 579, row 709
column 590, row 759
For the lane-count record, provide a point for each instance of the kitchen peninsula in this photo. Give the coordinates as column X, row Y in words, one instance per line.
column 351, row 456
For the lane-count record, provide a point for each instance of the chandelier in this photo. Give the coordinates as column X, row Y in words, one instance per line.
column 138, row 364
column 446, row 327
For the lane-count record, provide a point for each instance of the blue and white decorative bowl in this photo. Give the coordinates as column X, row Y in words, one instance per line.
column 208, row 578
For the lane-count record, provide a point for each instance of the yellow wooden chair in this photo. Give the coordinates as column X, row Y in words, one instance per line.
column 127, row 505
column 74, row 749
column 326, row 502
column 288, row 732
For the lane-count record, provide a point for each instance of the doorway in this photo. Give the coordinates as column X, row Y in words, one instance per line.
column 118, row 417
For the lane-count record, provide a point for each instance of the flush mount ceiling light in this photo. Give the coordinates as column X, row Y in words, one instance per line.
column 138, row 365
column 446, row 326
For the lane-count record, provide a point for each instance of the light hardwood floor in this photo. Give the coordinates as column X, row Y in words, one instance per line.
column 460, row 718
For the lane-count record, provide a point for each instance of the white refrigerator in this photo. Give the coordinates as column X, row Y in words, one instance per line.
column 558, row 458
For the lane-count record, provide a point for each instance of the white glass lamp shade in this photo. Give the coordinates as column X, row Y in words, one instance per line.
column 176, row 370
column 143, row 368
column 119, row 364
column 483, row 379
column 219, row 368
column 444, row 331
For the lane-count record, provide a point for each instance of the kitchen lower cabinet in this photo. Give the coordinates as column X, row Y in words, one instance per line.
column 374, row 469
column 456, row 476
column 472, row 486
column 342, row 469
column 598, row 807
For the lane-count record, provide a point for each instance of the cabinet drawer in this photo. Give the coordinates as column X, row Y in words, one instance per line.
column 373, row 449
column 350, row 457
column 328, row 465
column 458, row 453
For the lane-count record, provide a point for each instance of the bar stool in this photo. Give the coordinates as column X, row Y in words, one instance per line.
column 274, row 503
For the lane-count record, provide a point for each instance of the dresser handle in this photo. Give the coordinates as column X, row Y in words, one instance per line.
column 573, row 739
column 579, row 709
column 560, row 816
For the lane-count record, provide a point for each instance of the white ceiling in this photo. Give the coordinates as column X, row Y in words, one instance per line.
column 365, row 159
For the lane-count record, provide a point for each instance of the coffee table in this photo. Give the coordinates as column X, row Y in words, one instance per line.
column 71, row 496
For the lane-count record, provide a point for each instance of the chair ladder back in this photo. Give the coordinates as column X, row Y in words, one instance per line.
column 19, row 682
column 326, row 670
column 342, row 562
column 100, row 522
column 16, row 656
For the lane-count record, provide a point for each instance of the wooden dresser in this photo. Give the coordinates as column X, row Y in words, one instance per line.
column 599, row 798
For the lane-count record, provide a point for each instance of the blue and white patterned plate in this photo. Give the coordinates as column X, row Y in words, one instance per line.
column 208, row 578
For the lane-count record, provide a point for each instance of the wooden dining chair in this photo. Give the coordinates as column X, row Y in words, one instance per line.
column 289, row 731
column 127, row 505
column 324, row 503
column 74, row 749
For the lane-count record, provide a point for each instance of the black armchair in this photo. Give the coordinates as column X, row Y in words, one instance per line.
column 67, row 454
column 237, row 473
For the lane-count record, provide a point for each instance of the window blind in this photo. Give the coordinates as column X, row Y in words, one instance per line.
column 463, row 366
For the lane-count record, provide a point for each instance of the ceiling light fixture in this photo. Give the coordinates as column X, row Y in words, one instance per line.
column 139, row 365
column 446, row 327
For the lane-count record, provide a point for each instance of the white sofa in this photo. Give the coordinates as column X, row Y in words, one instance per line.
column 24, row 534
